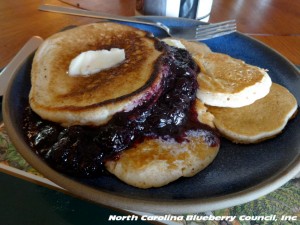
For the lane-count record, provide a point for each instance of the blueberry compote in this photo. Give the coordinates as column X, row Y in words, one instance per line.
column 169, row 113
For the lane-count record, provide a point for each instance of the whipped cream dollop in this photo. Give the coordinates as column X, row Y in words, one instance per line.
column 91, row 62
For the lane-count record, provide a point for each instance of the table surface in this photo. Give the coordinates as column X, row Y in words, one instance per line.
column 274, row 22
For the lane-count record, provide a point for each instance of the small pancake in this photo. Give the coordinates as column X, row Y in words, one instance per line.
column 204, row 116
column 196, row 48
column 155, row 162
column 228, row 82
column 261, row 120
column 93, row 100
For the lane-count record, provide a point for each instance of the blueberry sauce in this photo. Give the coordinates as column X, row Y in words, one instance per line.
column 170, row 113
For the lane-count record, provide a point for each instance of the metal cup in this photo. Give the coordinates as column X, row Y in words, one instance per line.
column 194, row 9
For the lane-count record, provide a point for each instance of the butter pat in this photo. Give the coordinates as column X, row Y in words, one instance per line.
column 91, row 62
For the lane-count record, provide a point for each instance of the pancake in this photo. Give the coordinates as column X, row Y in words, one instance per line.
column 228, row 82
column 204, row 116
column 261, row 120
column 223, row 80
column 92, row 100
column 157, row 162
column 196, row 48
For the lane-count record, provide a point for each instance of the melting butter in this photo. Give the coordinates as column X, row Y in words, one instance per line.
column 91, row 62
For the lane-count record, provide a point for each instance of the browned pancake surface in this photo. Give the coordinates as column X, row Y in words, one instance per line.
column 196, row 48
column 261, row 120
column 224, row 74
column 156, row 162
column 55, row 93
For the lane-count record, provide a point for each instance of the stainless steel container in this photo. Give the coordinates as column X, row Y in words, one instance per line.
column 195, row 9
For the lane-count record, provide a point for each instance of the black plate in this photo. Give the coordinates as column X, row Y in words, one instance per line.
column 239, row 173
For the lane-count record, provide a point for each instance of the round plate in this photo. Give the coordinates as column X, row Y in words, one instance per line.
column 240, row 173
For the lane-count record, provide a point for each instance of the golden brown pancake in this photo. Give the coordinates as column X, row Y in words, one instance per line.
column 261, row 120
column 204, row 116
column 196, row 48
column 225, row 81
column 228, row 82
column 92, row 100
column 157, row 162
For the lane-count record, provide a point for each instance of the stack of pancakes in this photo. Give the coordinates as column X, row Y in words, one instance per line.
column 94, row 100
column 234, row 97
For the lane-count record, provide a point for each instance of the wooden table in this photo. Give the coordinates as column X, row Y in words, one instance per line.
column 274, row 22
